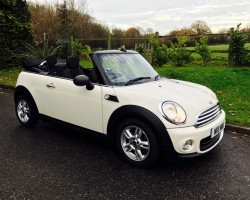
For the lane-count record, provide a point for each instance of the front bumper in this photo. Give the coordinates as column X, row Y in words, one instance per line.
column 202, row 142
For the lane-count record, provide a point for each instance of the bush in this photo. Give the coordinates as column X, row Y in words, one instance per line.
column 160, row 53
column 178, row 53
column 39, row 52
column 63, row 48
column 80, row 50
column 160, row 56
column 85, row 53
column 237, row 52
column 15, row 31
column 77, row 47
column 202, row 49
column 140, row 49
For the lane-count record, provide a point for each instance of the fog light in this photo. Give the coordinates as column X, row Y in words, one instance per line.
column 188, row 145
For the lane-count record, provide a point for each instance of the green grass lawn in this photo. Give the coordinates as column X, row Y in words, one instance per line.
column 220, row 47
column 9, row 76
column 231, row 84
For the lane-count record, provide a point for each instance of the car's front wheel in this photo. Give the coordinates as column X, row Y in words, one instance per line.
column 26, row 111
column 137, row 143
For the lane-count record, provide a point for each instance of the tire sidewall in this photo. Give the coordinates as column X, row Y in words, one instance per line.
column 33, row 119
column 154, row 145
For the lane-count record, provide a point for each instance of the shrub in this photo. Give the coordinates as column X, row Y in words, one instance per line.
column 39, row 52
column 237, row 52
column 80, row 50
column 140, row 49
column 76, row 47
column 15, row 31
column 63, row 48
column 202, row 49
column 160, row 56
column 160, row 53
column 178, row 53
column 85, row 53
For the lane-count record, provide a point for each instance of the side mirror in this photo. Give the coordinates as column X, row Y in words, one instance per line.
column 83, row 80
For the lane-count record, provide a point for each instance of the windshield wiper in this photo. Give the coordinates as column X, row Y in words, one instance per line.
column 136, row 79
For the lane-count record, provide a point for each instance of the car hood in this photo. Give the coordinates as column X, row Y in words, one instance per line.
column 193, row 98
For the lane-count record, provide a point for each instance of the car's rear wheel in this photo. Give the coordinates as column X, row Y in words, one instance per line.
column 26, row 111
column 137, row 143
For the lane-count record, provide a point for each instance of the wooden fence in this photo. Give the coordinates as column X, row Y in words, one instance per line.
column 146, row 50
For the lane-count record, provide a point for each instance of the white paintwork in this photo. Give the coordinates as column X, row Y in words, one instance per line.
column 72, row 104
column 192, row 97
column 90, row 110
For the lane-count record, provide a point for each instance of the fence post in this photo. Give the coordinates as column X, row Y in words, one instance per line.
column 229, row 48
column 71, row 41
column 109, row 41
column 44, row 40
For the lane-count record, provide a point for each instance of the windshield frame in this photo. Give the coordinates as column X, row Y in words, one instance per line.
column 95, row 56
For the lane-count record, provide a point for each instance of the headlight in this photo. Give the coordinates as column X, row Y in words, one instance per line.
column 173, row 112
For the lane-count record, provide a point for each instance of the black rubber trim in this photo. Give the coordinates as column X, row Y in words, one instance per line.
column 21, row 90
column 131, row 111
column 208, row 142
column 72, row 126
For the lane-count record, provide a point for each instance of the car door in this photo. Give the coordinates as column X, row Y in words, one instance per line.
column 73, row 104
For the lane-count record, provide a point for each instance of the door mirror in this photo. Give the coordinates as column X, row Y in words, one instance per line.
column 83, row 80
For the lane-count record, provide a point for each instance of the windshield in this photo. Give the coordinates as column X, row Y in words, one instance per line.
column 122, row 69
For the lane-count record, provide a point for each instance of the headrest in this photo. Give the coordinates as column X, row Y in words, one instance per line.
column 72, row 62
column 51, row 61
column 31, row 63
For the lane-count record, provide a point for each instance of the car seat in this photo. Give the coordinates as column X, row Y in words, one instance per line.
column 51, row 62
column 72, row 67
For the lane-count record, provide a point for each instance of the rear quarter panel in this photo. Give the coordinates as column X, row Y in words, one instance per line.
column 35, row 84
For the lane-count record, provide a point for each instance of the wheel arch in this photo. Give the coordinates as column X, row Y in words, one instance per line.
column 21, row 90
column 132, row 111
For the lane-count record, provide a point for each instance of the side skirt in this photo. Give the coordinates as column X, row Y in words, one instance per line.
column 74, row 127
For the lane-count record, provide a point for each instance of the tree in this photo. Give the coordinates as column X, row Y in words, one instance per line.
column 224, row 31
column 44, row 20
column 132, row 33
column 246, row 29
column 65, row 20
column 181, row 32
column 202, row 49
column 117, row 33
column 200, row 27
column 63, row 15
column 15, row 30
column 160, row 53
column 237, row 51
column 178, row 53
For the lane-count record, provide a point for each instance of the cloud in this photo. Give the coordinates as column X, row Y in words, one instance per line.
column 165, row 15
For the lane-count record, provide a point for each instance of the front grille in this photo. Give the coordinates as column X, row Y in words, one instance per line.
column 208, row 142
column 208, row 115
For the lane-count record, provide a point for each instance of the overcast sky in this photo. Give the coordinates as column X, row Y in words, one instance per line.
column 165, row 15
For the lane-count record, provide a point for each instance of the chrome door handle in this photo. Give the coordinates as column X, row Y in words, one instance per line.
column 51, row 85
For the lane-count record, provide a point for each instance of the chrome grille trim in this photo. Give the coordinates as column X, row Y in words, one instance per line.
column 208, row 115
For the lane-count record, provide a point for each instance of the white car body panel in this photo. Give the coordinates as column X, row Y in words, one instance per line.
column 149, row 95
column 74, row 105
column 35, row 83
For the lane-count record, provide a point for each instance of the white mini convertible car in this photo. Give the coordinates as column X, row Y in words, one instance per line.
column 124, row 98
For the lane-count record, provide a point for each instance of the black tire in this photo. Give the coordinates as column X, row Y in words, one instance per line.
column 142, row 148
column 26, row 111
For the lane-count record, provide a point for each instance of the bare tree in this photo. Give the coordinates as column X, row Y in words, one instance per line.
column 246, row 29
column 181, row 32
column 224, row 30
column 200, row 27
